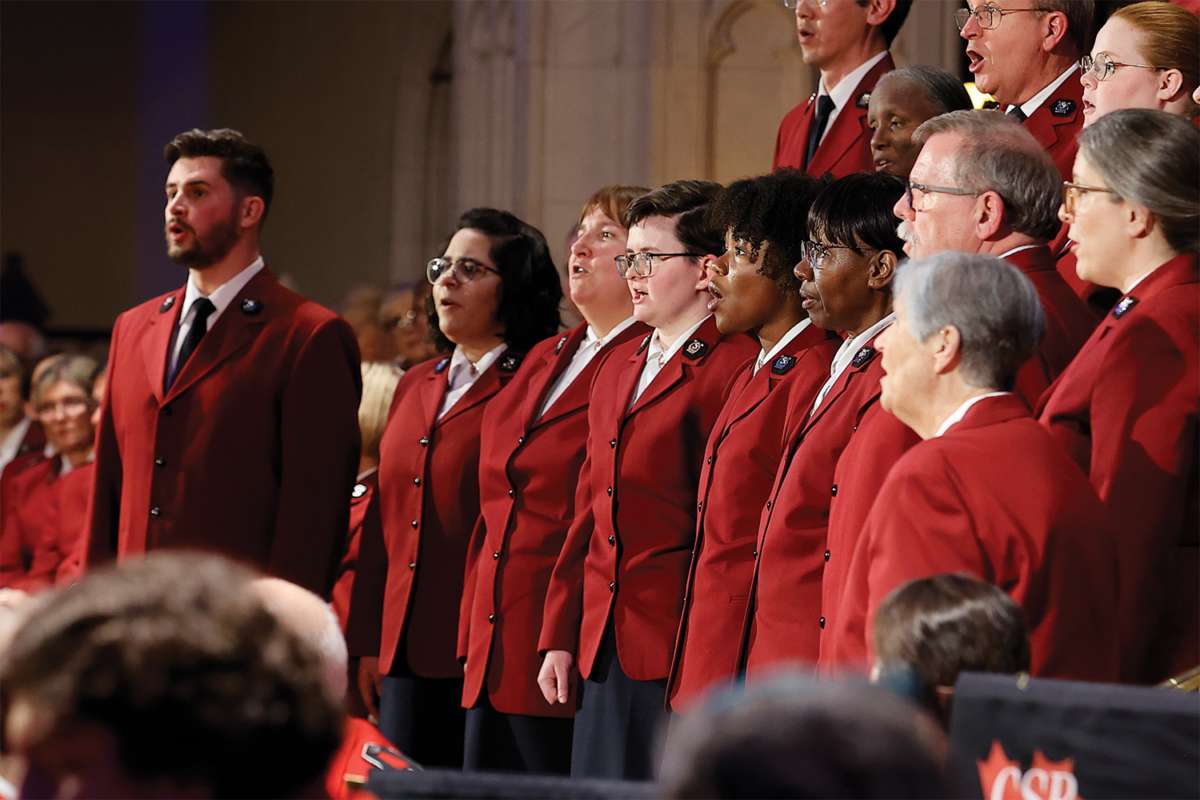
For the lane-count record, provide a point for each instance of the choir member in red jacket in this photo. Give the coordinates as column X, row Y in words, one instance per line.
column 754, row 291
column 495, row 295
column 847, row 41
column 1126, row 407
column 840, row 446
column 616, row 592
column 45, row 504
column 21, row 436
column 988, row 492
column 902, row 100
column 533, row 441
column 983, row 184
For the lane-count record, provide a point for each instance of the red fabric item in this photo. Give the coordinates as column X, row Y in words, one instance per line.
column 995, row 497
column 627, row 553
column 528, row 472
column 1069, row 323
column 740, row 464
column 429, row 504
column 349, row 761
column 360, row 499
column 45, row 517
column 251, row 453
column 846, row 146
column 784, row 618
column 1126, row 412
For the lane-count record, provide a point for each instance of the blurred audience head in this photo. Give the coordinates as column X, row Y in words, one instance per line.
column 379, row 384
column 311, row 620
column 14, row 388
column 402, row 315
column 799, row 738
column 25, row 340
column 1147, row 55
column 165, row 677
column 596, row 288
column 944, row 625
column 901, row 101
column 62, row 399
column 980, row 181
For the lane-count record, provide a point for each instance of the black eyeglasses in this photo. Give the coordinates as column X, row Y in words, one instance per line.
column 920, row 187
column 464, row 270
column 643, row 263
column 817, row 253
column 988, row 17
column 1102, row 66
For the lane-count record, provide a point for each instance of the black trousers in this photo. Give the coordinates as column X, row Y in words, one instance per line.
column 424, row 717
column 500, row 742
column 619, row 722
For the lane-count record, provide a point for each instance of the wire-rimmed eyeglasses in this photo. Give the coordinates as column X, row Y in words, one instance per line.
column 464, row 270
column 643, row 263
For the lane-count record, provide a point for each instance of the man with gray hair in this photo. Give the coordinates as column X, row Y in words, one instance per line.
column 982, row 184
column 986, row 493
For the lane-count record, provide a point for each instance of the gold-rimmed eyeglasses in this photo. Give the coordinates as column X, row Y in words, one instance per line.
column 1072, row 191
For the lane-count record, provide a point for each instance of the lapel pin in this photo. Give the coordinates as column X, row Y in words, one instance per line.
column 441, row 366
column 694, row 349
column 645, row 343
column 559, row 347
column 862, row 357
column 359, row 490
column 166, row 305
column 783, row 364
column 251, row 306
column 510, row 363
column 1062, row 108
column 863, row 100
column 1123, row 307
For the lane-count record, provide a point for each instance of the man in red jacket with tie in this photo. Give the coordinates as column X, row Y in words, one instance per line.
column 847, row 40
column 230, row 422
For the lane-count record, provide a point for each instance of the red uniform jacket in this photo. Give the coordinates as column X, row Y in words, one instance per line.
column 846, row 146
column 528, row 472
column 429, row 504
column 627, row 553
column 348, row 769
column 74, row 499
column 783, row 622
column 1126, row 411
column 47, row 515
column 251, row 453
column 343, row 587
column 739, row 469
column 1069, row 323
column 1056, row 124
column 996, row 498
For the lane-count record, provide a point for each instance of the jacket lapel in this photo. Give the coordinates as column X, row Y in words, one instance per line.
column 851, row 122
column 691, row 355
column 552, row 366
column 433, row 390
column 157, row 338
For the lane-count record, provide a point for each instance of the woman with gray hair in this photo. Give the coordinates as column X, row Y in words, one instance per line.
column 1126, row 408
column 45, row 504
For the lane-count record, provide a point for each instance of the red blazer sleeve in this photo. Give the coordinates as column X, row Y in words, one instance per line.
column 321, row 444
column 564, row 598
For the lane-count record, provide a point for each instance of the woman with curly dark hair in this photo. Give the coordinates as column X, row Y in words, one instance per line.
column 495, row 294
column 753, row 291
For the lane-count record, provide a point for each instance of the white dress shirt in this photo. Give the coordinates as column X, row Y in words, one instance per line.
column 845, row 355
column 588, row 348
column 765, row 358
column 962, row 410
column 221, row 298
column 1034, row 103
column 463, row 374
column 657, row 357
column 843, row 93
column 12, row 443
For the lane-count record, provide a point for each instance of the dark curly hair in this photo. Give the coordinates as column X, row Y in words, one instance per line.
column 243, row 164
column 769, row 210
column 196, row 681
column 531, row 291
column 856, row 211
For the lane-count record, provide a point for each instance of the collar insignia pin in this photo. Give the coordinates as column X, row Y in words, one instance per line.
column 559, row 347
column 1062, row 108
column 863, row 100
column 694, row 349
column 166, row 305
column 645, row 343
column 510, row 363
column 359, row 490
column 862, row 356
column 783, row 364
column 1123, row 307
column 441, row 366
column 251, row 306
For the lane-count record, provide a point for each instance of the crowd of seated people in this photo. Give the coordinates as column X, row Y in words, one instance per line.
column 923, row 399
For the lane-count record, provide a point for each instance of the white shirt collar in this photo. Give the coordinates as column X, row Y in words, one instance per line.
column 765, row 358
column 591, row 339
column 844, row 90
column 850, row 347
column 224, row 294
column 663, row 356
column 464, row 372
column 12, row 442
column 1016, row 250
column 1034, row 103
column 962, row 410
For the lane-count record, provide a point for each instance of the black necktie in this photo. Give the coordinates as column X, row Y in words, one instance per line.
column 202, row 308
column 1017, row 113
column 824, row 109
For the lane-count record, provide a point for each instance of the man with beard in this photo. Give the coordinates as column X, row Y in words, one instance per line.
column 230, row 422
